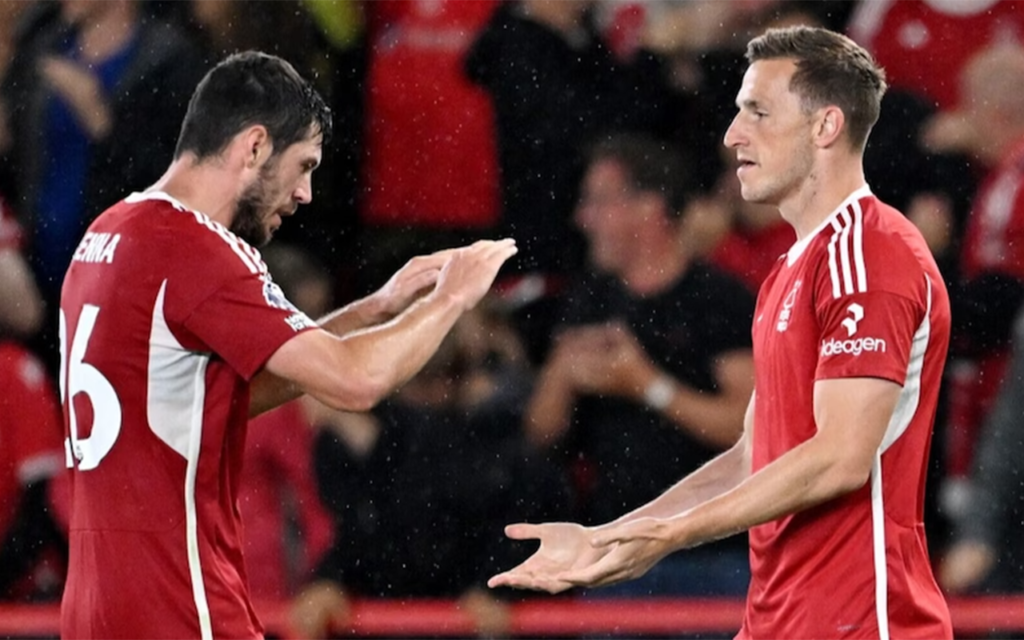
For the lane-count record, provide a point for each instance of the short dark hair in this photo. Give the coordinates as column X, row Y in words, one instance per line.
column 831, row 70
column 651, row 165
column 246, row 89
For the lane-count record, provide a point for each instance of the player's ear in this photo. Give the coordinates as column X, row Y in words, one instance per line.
column 257, row 145
column 828, row 126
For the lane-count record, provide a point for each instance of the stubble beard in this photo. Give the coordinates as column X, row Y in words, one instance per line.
column 248, row 221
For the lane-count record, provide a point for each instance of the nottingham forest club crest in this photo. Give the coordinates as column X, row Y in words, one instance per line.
column 787, row 308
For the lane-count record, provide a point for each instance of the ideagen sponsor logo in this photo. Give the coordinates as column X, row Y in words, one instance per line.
column 832, row 347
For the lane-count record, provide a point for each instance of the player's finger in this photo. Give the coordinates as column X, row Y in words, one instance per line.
column 522, row 531
column 518, row 580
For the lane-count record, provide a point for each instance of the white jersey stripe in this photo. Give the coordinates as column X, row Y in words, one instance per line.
column 910, row 395
column 174, row 409
column 846, row 264
column 195, row 566
column 844, row 252
column 878, row 545
column 832, row 267
column 233, row 241
column 903, row 414
column 858, row 247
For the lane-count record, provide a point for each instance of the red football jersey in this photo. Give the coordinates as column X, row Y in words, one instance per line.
column 165, row 317
column 924, row 45
column 431, row 148
column 859, row 297
column 994, row 237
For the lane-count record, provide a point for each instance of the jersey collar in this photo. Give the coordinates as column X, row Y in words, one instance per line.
column 801, row 245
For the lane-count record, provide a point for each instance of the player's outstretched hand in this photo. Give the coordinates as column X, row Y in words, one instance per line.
column 629, row 550
column 469, row 271
column 571, row 555
column 416, row 278
column 564, row 546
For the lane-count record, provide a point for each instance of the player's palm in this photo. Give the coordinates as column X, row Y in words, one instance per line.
column 564, row 546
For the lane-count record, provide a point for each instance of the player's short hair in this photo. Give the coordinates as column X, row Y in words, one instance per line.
column 651, row 165
column 832, row 69
column 247, row 89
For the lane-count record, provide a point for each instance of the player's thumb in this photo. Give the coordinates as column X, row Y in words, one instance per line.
column 522, row 531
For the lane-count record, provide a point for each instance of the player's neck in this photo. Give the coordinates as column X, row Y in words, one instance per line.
column 821, row 192
column 202, row 187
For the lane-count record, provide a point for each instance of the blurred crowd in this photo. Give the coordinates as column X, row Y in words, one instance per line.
column 614, row 354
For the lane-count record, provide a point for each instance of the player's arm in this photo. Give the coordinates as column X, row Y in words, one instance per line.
column 356, row 370
column 851, row 415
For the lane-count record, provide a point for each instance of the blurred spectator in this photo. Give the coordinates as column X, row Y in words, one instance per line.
column 555, row 87
column 430, row 174
column 21, row 306
column 924, row 44
column 651, row 366
column 32, row 543
column 286, row 528
column 422, row 487
column 94, row 100
column 988, row 552
column 989, row 125
column 281, row 28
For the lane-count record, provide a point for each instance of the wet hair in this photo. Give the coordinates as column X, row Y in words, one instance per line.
column 831, row 70
column 247, row 89
column 651, row 165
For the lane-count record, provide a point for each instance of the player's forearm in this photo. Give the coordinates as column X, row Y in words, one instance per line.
column 353, row 372
column 806, row 476
column 382, row 357
column 361, row 314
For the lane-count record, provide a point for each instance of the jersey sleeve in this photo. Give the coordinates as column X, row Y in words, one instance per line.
column 246, row 320
column 869, row 313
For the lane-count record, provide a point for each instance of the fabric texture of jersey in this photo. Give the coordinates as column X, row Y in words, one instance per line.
column 859, row 297
column 165, row 317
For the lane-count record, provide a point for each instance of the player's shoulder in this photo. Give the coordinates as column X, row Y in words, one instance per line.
column 867, row 245
column 866, row 229
column 170, row 225
column 888, row 234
